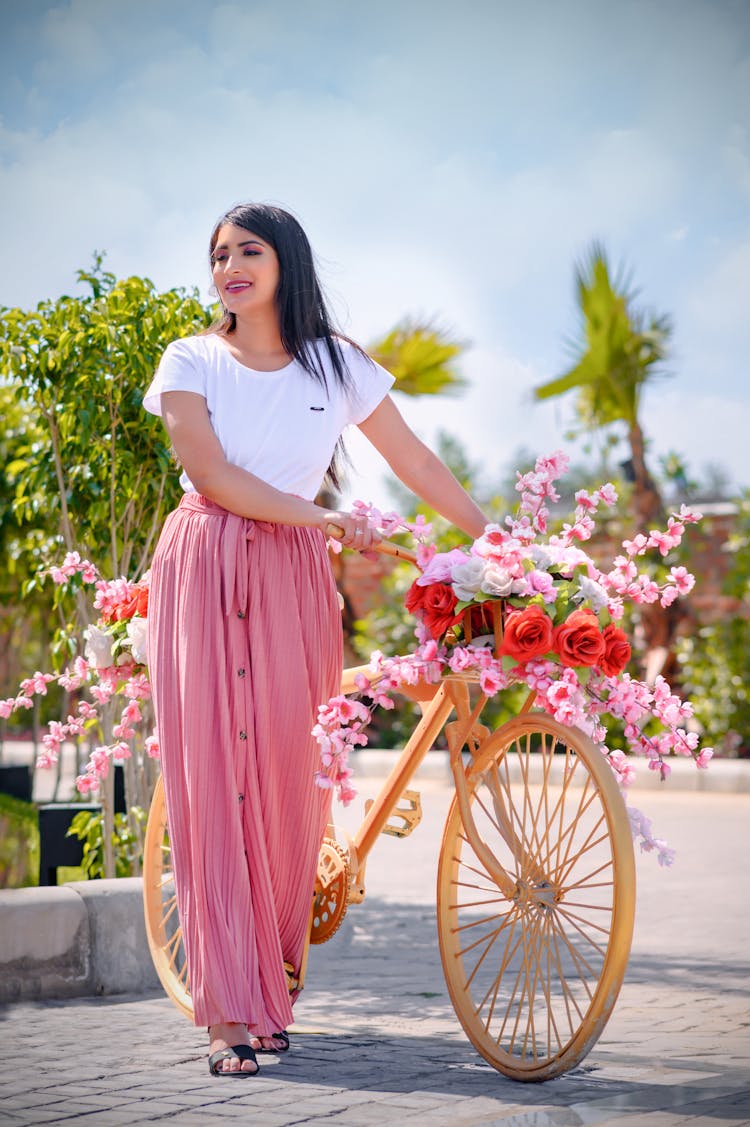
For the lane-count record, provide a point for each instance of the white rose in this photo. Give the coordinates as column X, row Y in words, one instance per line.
column 98, row 651
column 541, row 557
column 497, row 581
column 137, row 631
column 594, row 592
column 467, row 578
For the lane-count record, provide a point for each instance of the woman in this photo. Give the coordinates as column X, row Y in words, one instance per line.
column 245, row 633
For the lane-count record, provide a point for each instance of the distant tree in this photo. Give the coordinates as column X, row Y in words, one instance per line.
column 88, row 469
column 421, row 357
column 714, row 658
column 621, row 352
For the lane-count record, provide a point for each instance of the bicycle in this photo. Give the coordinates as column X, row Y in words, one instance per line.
column 536, row 877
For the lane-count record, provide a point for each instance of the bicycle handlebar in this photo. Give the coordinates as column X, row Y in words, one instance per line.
column 385, row 547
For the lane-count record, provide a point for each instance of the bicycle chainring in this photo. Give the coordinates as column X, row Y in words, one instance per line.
column 330, row 895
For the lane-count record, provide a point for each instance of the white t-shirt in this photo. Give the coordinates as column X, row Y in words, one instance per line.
column 281, row 426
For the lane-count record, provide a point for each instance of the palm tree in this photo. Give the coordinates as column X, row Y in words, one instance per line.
column 421, row 357
column 622, row 351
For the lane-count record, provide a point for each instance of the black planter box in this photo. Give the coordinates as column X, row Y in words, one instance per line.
column 55, row 847
column 16, row 781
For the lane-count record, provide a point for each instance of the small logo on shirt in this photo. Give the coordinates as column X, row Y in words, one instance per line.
column 317, row 408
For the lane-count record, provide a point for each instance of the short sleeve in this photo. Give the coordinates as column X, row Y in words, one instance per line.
column 371, row 384
column 179, row 370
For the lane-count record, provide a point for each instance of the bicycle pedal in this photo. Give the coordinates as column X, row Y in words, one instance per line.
column 409, row 816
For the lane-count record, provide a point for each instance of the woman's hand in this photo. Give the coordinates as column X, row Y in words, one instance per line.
column 351, row 530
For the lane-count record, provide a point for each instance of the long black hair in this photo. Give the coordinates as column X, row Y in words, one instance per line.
column 304, row 318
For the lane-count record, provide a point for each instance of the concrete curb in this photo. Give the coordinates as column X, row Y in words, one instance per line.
column 80, row 939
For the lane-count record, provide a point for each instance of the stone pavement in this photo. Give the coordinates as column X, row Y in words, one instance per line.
column 376, row 1039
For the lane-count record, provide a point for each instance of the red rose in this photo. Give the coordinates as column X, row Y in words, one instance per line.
column 616, row 652
column 435, row 604
column 528, row 634
column 578, row 640
column 138, row 604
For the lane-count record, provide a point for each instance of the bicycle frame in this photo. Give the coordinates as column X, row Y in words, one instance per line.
column 450, row 695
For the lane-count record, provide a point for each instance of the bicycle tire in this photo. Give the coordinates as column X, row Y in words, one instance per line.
column 163, row 928
column 533, row 977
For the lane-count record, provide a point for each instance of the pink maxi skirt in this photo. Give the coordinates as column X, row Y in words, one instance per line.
column 244, row 643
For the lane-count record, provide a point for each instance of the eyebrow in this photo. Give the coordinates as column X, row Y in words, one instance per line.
column 246, row 243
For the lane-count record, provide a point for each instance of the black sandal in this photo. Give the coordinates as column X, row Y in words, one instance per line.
column 242, row 1052
column 283, row 1036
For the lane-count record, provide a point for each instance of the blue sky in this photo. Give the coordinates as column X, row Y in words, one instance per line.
column 447, row 160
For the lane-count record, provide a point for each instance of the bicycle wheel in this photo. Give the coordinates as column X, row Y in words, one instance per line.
column 534, row 971
column 163, row 928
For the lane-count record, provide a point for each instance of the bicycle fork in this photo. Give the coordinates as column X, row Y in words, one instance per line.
column 465, row 731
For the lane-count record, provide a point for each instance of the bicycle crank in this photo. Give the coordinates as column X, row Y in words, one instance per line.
column 329, row 895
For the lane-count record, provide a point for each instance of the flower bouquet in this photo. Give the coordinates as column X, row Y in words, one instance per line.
column 519, row 606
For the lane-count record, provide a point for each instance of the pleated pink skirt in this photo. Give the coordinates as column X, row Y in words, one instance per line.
column 244, row 643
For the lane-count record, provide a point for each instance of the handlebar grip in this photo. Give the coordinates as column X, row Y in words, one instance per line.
column 336, row 532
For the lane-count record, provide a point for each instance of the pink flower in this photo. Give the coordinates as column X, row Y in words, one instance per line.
column 649, row 590
column 637, row 546
column 585, row 501
column 85, row 784
column 540, row 583
column 98, row 763
column 664, row 541
column 622, row 767
column 152, row 747
column 689, row 516
column 440, row 567
column 70, row 683
column 607, row 494
column 102, row 692
column 131, row 714
column 705, row 757
column 492, row 680
column 6, row 707
column 36, row 684
column 682, row 579
column 461, row 659
column 420, row 527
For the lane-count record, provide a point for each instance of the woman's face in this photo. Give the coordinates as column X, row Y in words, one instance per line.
column 245, row 270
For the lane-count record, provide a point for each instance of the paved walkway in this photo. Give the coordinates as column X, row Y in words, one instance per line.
column 377, row 1041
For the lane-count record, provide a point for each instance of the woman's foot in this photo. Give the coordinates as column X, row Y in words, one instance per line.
column 226, row 1036
column 275, row 1043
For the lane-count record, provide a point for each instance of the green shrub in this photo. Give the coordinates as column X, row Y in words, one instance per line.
column 19, row 843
